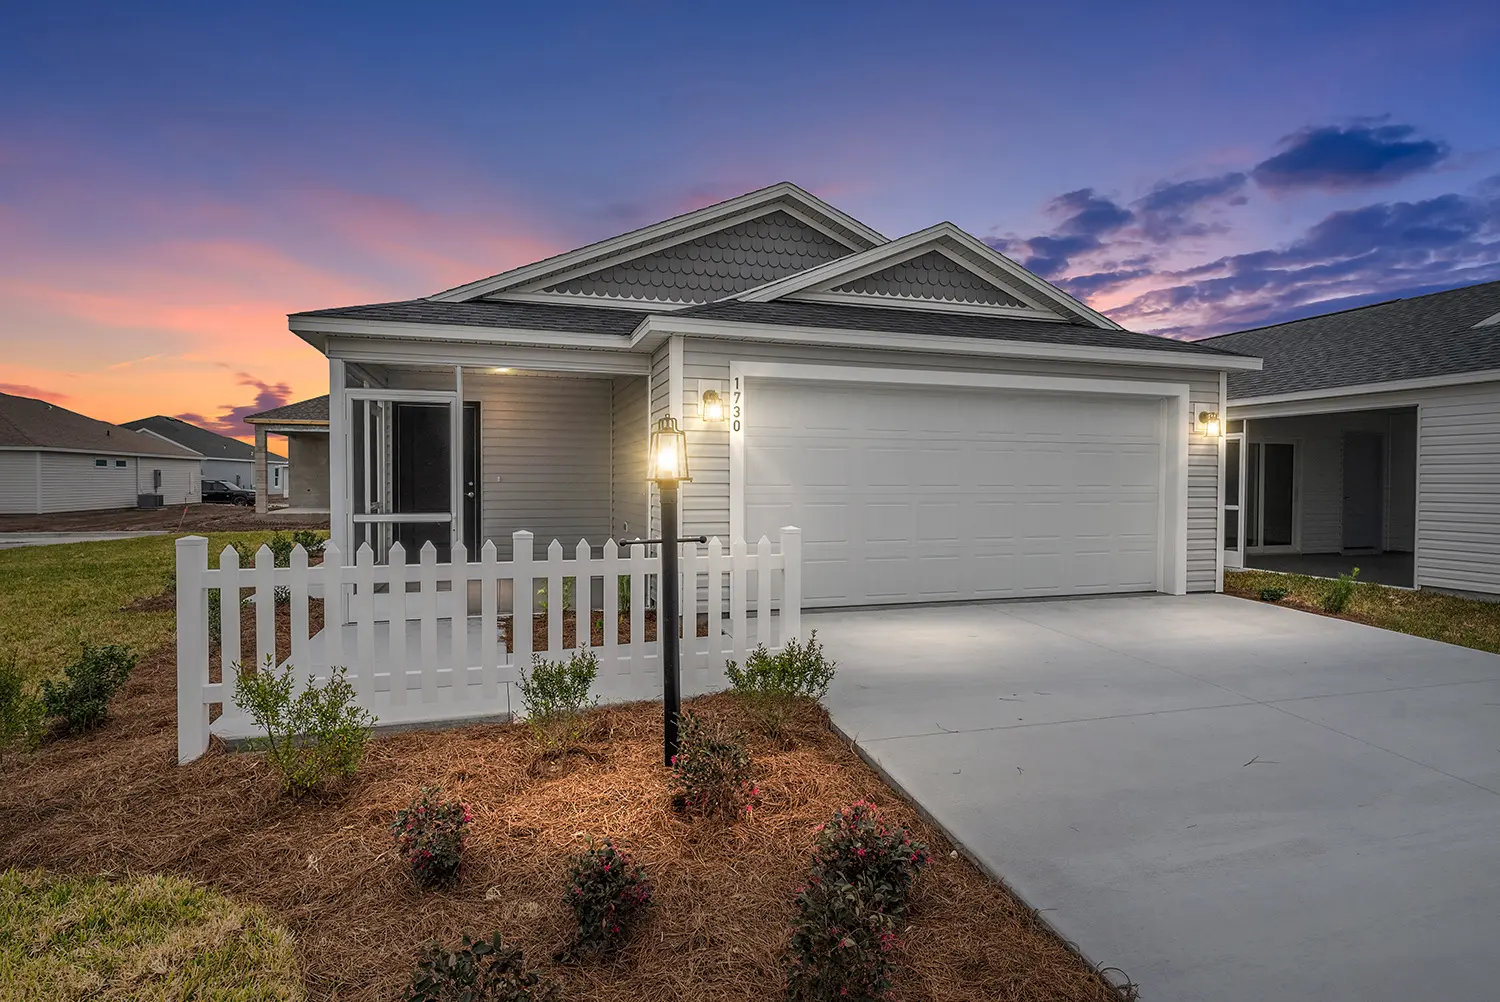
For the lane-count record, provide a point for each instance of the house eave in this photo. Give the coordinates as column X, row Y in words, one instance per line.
column 1367, row 389
column 195, row 457
column 316, row 330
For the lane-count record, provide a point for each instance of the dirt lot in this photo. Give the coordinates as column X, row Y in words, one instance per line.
column 191, row 518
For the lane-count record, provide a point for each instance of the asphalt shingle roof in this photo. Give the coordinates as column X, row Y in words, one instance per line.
column 935, row 322
column 311, row 409
column 1432, row 335
column 493, row 313
column 210, row 444
column 28, row 423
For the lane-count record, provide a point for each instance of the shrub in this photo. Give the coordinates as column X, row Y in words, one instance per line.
column 772, row 684
column 839, row 948
column 81, row 700
column 318, row 735
column 431, row 834
column 246, row 552
column 1338, row 594
column 23, row 719
column 878, row 861
column 1272, row 594
column 310, row 540
column 556, row 695
column 281, row 548
column 569, row 596
column 607, row 893
column 483, row 971
column 711, row 770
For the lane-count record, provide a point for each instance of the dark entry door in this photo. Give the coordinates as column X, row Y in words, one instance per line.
column 420, row 459
column 1363, row 505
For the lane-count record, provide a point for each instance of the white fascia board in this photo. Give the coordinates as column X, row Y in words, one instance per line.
column 522, row 357
column 672, row 229
column 653, row 329
column 1363, row 389
column 1489, row 321
column 472, row 333
column 195, row 457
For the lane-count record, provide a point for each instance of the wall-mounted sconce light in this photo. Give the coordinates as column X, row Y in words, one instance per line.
column 1208, row 423
column 711, row 407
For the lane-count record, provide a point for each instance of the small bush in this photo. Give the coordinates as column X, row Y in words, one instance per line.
column 431, row 834
column 246, row 553
column 880, row 862
column 81, row 700
column 23, row 718
column 1272, row 594
column 840, row 947
column 483, row 971
column 281, row 548
column 772, row 684
column 318, row 735
column 711, row 770
column 1338, row 594
column 607, row 893
column 556, row 695
column 569, row 596
column 310, row 540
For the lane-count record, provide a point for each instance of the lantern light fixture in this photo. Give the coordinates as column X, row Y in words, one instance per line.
column 1208, row 423
column 712, row 408
column 669, row 464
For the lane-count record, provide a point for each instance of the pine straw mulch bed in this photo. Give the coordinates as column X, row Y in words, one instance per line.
column 116, row 802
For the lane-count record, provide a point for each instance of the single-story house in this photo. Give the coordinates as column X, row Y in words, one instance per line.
column 224, row 458
column 1372, row 439
column 53, row 459
column 305, row 479
column 941, row 423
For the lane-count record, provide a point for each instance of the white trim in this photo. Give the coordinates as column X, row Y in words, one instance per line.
column 582, row 299
column 666, row 232
column 1489, row 321
column 340, row 503
column 925, row 239
column 194, row 458
column 655, row 327
column 456, row 459
column 1172, row 511
column 611, row 362
column 322, row 326
column 929, row 305
column 674, row 380
column 398, row 518
column 1361, row 389
column 1219, row 520
column 401, row 396
column 1416, row 503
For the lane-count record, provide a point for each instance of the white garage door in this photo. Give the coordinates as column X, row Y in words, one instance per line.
column 922, row 494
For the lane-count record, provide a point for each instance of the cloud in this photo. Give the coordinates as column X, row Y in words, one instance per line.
column 231, row 421
column 1087, row 217
column 1335, row 158
column 1168, row 210
column 23, row 390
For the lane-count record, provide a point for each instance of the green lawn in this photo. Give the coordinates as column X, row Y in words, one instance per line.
column 54, row 598
column 1463, row 621
column 141, row 939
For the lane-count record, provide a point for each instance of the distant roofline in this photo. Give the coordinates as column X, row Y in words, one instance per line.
column 1348, row 309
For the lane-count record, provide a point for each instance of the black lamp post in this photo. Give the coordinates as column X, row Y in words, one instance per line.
column 668, row 468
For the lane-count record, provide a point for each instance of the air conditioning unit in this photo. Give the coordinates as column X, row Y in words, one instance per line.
column 148, row 500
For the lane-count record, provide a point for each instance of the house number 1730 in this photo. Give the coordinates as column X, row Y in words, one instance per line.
column 736, row 398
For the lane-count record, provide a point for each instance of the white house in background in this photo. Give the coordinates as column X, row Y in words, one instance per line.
column 224, row 458
column 52, row 459
column 941, row 423
column 1371, row 439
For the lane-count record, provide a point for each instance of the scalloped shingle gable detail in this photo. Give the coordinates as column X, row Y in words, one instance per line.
column 931, row 276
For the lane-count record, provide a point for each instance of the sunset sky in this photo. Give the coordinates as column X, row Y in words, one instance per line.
column 176, row 178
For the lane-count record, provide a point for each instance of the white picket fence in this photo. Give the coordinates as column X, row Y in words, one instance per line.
column 441, row 655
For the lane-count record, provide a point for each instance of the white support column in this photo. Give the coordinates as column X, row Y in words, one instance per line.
column 456, row 458
column 338, row 458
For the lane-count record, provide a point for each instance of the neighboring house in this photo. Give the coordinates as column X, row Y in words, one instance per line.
column 305, row 484
column 224, row 458
column 940, row 422
column 52, row 459
column 1371, row 439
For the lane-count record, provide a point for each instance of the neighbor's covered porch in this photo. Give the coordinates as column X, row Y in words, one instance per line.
column 1323, row 493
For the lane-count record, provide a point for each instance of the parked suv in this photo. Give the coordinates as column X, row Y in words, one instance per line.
column 218, row 492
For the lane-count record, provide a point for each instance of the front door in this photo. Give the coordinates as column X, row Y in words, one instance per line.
column 1364, row 453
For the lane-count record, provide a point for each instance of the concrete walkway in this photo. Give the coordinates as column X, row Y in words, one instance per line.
column 9, row 540
column 1228, row 800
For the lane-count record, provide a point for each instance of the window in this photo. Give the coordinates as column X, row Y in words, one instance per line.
column 101, row 462
column 120, row 463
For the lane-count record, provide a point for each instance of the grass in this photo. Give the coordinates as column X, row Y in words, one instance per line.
column 1466, row 622
column 54, row 598
column 142, row 939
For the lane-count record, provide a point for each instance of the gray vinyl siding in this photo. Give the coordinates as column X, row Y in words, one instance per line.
column 233, row 471
column 705, row 502
column 181, row 480
column 630, row 494
column 73, row 482
column 1458, row 506
column 544, row 458
column 731, row 260
column 18, row 483
column 932, row 276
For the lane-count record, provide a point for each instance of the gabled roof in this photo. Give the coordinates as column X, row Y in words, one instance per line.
column 1443, row 334
column 313, row 411
column 28, row 423
column 483, row 313
column 210, row 445
column 1024, row 294
column 785, row 197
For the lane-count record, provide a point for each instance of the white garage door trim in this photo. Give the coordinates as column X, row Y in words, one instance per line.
column 1172, row 512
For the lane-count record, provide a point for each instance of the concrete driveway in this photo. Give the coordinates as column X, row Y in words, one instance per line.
column 1226, row 799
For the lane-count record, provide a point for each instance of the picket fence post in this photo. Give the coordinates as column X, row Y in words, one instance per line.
column 791, row 589
column 192, row 648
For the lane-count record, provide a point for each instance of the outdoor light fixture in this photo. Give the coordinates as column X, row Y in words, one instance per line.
column 1208, row 423
column 712, row 408
column 668, row 455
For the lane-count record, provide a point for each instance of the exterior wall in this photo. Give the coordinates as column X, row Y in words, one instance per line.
column 72, row 482
column 712, row 266
column 705, row 502
column 231, row 471
column 933, row 277
column 544, row 457
column 307, row 472
column 18, row 483
column 630, row 514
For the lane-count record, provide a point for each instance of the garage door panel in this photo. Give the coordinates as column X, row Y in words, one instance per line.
column 911, row 494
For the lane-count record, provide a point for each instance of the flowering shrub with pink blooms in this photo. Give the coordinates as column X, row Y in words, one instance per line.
column 711, row 770
column 607, row 893
column 431, row 834
column 848, row 912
